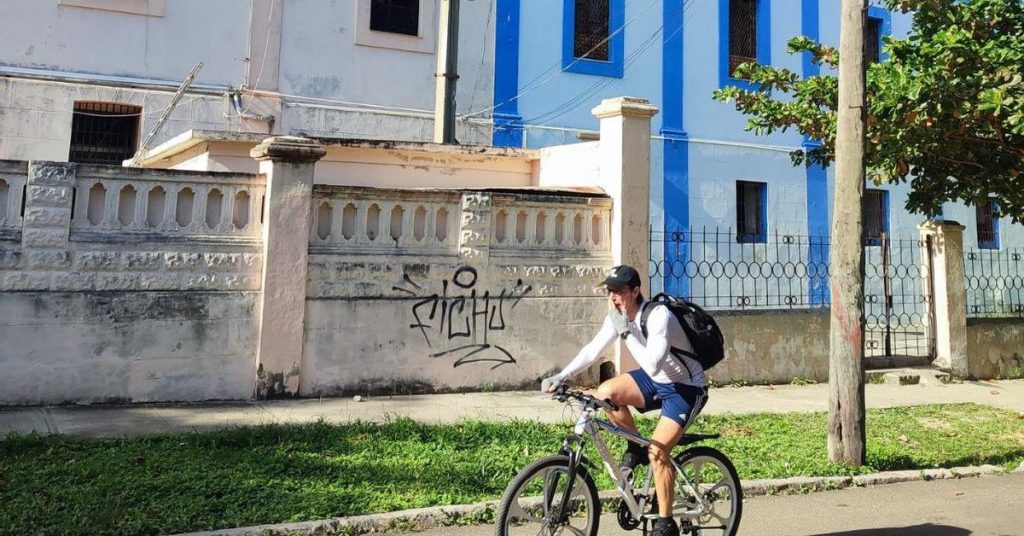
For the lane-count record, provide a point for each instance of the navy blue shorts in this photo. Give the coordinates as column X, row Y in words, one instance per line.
column 677, row 401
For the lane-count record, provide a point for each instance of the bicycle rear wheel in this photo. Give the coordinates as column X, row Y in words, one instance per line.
column 532, row 500
column 714, row 480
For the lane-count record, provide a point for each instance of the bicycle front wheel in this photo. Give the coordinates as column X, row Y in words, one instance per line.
column 708, row 495
column 534, row 499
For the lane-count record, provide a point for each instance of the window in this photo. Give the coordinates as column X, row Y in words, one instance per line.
column 742, row 33
column 405, row 25
column 876, row 216
column 591, row 29
column 744, row 29
column 751, row 212
column 988, row 224
column 592, row 36
column 877, row 25
column 395, row 16
column 872, row 41
column 103, row 132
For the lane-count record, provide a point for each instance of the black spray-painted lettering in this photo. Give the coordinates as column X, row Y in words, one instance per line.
column 446, row 320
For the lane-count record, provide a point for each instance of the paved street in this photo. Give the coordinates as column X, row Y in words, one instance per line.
column 986, row 506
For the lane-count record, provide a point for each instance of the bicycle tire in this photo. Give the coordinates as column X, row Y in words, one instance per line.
column 557, row 463
column 687, row 457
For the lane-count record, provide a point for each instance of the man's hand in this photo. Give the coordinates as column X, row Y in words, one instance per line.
column 548, row 385
column 619, row 322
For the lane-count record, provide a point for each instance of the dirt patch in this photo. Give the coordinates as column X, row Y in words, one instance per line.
column 930, row 423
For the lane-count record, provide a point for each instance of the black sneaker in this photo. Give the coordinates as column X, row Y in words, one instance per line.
column 635, row 455
column 665, row 526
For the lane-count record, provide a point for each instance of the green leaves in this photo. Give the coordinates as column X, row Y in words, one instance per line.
column 945, row 111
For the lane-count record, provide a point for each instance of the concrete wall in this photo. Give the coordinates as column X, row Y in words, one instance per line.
column 773, row 346
column 413, row 306
column 995, row 347
column 303, row 67
column 376, row 85
column 35, row 115
column 63, row 35
column 126, row 346
column 128, row 285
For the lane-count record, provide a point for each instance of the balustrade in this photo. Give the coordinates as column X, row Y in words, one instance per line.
column 170, row 203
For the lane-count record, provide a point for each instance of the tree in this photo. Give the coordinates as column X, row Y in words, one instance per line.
column 945, row 110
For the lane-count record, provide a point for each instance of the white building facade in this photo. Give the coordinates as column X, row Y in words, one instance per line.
column 74, row 70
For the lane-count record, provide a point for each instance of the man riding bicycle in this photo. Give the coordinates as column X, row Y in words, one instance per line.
column 674, row 383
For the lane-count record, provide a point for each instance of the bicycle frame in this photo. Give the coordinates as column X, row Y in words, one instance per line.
column 589, row 426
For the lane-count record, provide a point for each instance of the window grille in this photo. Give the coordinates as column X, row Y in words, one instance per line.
column 988, row 224
column 742, row 33
column 874, row 214
column 872, row 47
column 592, row 25
column 103, row 132
column 395, row 16
column 751, row 217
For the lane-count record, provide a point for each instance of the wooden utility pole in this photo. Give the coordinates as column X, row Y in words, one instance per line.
column 447, row 72
column 846, row 359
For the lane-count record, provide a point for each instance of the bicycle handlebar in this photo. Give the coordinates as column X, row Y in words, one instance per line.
column 563, row 393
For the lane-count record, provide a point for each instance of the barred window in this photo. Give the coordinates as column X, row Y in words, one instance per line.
column 987, row 213
column 875, row 214
column 751, row 212
column 742, row 33
column 103, row 132
column 872, row 43
column 592, row 23
column 395, row 16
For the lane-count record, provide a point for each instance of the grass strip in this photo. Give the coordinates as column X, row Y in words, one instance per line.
column 284, row 473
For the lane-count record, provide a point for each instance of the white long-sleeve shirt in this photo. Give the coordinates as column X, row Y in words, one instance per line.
column 651, row 353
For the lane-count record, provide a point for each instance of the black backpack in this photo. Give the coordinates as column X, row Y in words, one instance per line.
column 705, row 337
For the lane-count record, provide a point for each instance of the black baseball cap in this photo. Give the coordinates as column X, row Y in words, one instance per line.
column 621, row 276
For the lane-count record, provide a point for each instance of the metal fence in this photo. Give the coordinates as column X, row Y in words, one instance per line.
column 995, row 282
column 713, row 268
column 718, row 270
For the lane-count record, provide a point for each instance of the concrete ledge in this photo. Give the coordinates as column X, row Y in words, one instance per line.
column 480, row 513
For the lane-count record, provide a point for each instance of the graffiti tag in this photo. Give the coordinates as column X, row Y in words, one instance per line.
column 461, row 324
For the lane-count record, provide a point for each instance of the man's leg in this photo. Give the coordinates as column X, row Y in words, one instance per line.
column 665, row 437
column 622, row 390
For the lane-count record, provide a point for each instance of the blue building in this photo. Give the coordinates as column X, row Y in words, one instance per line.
column 556, row 59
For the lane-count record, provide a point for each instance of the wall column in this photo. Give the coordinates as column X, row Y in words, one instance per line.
column 625, row 167
column 288, row 163
column 46, row 226
column 943, row 244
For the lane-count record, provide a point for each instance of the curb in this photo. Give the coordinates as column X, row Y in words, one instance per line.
column 482, row 513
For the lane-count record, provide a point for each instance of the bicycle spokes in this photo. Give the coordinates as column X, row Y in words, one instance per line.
column 707, row 495
column 538, row 509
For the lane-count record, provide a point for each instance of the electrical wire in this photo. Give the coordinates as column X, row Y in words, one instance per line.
column 688, row 7
column 483, row 54
column 533, row 84
column 263, row 60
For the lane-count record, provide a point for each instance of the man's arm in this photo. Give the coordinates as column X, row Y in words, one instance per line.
column 589, row 353
column 657, row 347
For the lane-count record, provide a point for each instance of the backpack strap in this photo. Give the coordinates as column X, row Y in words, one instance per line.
column 661, row 299
column 644, row 313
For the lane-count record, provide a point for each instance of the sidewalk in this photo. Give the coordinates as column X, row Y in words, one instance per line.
column 118, row 421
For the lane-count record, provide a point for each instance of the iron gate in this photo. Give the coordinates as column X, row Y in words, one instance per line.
column 714, row 268
column 898, row 307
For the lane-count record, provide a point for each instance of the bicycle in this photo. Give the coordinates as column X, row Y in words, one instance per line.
column 540, row 501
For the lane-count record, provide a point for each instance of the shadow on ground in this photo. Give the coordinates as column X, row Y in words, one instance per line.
column 916, row 530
